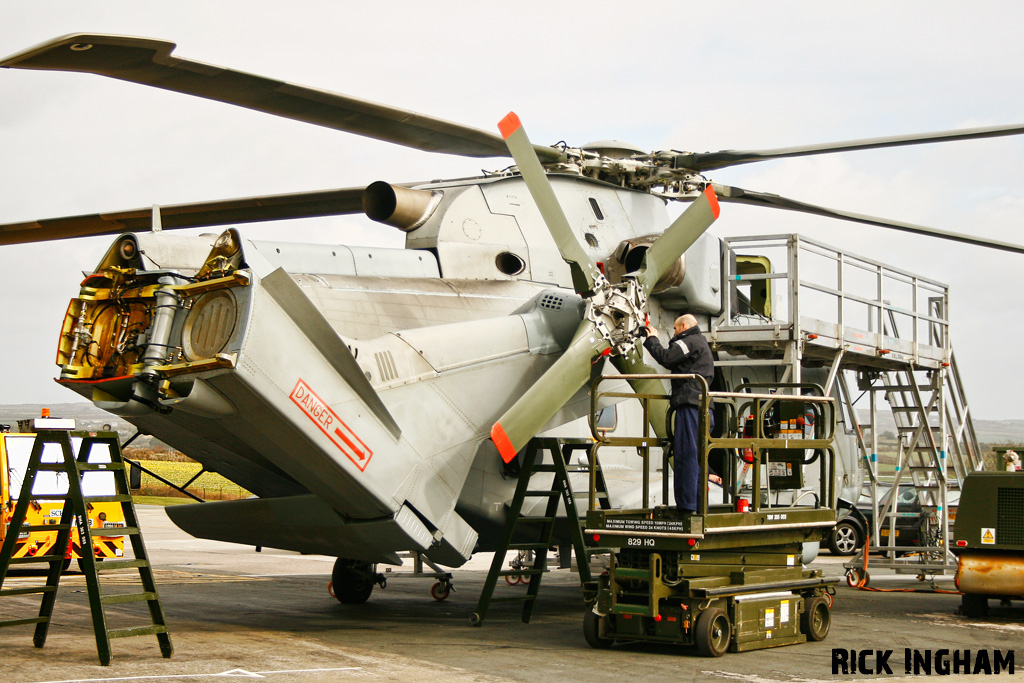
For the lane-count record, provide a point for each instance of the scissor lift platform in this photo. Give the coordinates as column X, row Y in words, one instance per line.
column 730, row 578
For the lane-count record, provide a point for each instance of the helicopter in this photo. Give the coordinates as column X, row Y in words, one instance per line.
column 373, row 399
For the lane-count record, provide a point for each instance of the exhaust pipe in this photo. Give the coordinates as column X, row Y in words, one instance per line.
column 397, row 206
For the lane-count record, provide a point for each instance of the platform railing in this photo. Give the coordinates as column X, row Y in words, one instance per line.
column 823, row 283
column 751, row 435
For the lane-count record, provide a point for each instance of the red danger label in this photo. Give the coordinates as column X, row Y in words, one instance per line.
column 330, row 424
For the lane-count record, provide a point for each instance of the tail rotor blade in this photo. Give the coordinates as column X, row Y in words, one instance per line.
column 531, row 412
column 679, row 236
column 584, row 271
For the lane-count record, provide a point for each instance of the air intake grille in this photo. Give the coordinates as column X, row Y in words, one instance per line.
column 552, row 301
column 1010, row 516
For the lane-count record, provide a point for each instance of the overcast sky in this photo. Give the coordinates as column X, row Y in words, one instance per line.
column 667, row 75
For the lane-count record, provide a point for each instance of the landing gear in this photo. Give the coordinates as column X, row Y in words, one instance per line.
column 352, row 581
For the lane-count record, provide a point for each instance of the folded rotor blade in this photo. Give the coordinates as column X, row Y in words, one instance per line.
column 195, row 215
column 149, row 62
column 584, row 270
column 740, row 196
column 709, row 161
column 679, row 236
column 540, row 402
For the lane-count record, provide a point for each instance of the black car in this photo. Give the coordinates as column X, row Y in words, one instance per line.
column 854, row 522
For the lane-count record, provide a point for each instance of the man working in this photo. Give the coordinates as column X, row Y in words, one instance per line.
column 687, row 353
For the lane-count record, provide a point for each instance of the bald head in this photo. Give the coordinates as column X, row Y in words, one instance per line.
column 684, row 322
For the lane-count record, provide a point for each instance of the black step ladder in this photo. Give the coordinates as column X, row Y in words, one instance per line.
column 542, row 525
column 75, row 514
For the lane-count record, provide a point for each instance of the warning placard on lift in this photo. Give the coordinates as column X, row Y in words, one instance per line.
column 641, row 525
column 988, row 536
column 330, row 424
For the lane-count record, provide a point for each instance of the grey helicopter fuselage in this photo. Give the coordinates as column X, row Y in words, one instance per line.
column 447, row 333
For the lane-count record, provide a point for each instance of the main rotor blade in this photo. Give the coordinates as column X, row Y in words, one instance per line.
column 195, row 215
column 540, row 402
column 584, row 270
column 740, row 196
column 709, row 161
column 149, row 62
column 679, row 236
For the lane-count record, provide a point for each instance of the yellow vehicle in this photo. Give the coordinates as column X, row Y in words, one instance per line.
column 15, row 449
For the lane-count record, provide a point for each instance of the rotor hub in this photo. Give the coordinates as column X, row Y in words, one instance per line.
column 618, row 312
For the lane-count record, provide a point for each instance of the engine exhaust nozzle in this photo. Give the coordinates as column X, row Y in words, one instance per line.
column 400, row 207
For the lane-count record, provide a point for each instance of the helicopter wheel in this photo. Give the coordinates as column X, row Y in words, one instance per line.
column 352, row 581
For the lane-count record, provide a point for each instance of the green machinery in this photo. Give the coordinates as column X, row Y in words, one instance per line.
column 989, row 540
column 731, row 577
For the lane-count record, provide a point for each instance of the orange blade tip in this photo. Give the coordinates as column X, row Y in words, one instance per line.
column 510, row 124
column 501, row 440
column 712, row 200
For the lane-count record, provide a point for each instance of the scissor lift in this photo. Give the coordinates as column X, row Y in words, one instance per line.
column 730, row 577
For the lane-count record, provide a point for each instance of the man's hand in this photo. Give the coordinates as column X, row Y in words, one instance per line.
column 652, row 331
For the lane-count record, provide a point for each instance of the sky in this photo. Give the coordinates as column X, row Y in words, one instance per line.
column 723, row 75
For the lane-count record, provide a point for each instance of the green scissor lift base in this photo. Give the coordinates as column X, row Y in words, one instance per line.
column 74, row 516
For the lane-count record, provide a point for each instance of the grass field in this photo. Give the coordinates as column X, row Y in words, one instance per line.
column 209, row 486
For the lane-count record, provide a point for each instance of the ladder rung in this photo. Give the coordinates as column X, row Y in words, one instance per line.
column 100, row 466
column 529, row 519
column 127, row 597
column 136, row 631
column 538, row 494
column 110, row 565
column 37, row 558
column 108, row 499
column 28, row 591
column 19, row 622
column 115, row 531
column 527, row 546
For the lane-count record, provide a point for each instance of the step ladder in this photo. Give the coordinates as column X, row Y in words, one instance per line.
column 541, row 527
column 74, row 517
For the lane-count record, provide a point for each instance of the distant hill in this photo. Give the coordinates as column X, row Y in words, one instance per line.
column 86, row 415
column 988, row 431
